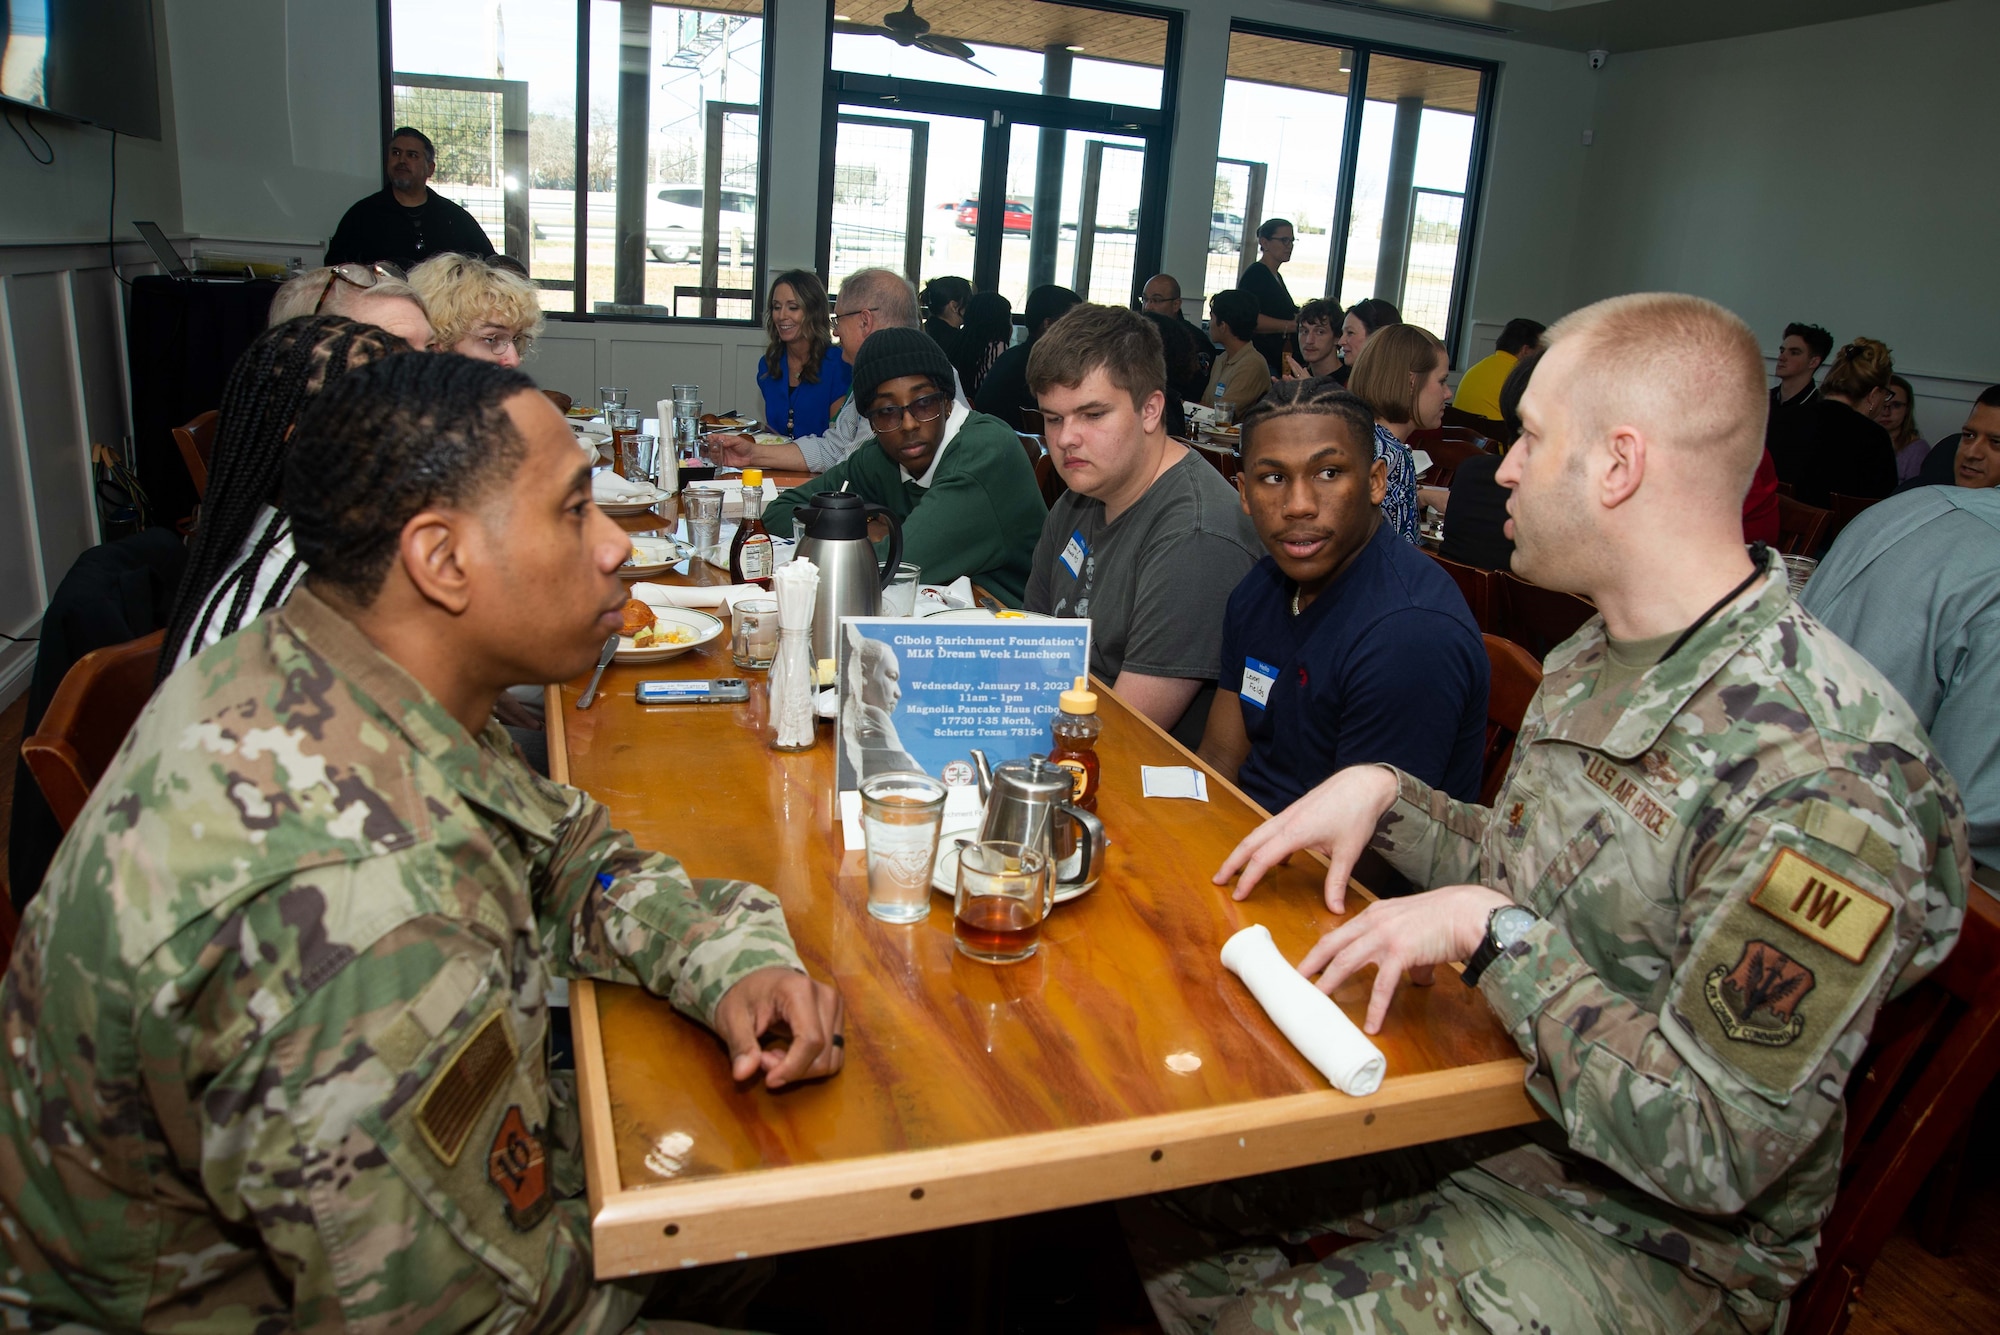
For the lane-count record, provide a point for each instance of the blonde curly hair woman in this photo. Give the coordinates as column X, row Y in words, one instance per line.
column 478, row 308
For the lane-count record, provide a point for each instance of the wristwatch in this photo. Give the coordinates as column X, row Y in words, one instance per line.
column 1505, row 926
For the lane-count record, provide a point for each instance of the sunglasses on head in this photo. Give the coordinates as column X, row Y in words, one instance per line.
column 363, row 276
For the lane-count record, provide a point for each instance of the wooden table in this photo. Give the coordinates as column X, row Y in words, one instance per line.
column 1121, row 1059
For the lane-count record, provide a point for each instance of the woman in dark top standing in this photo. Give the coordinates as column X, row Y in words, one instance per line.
column 987, row 332
column 944, row 301
column 1834, row 444
column 1277, row 313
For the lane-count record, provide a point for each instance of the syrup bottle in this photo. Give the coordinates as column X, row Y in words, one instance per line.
column 1075, row 728
column 752, row 558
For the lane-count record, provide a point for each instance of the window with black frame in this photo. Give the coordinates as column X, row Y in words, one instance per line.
column 626, row 181
column 1061, row 111
column 1371, row 155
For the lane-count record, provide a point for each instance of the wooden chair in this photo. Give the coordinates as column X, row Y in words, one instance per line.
column 1033, row 445
column 1785, row 489
column 1491, row 428
column 1934, row 1051
column 1801, row 527
column 86, row 722
column 1448, row 447
column 1533, row 617
column 197, row 442
column 1031, row 422
column 1050, row 479
column 1515, row 677
column 10, row 926
column 1844, row 509
column 1475, row 584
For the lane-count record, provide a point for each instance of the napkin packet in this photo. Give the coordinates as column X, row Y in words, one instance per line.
column 1318, row 1028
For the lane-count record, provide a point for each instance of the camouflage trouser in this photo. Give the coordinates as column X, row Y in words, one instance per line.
column 1444, row 1247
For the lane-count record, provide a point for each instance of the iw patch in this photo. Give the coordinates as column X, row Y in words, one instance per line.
column 1815, row 903
column 1757, row 1000
column 517, row 1165
column 462, row 1089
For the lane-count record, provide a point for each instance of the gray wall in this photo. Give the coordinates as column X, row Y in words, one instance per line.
column 1841, row 174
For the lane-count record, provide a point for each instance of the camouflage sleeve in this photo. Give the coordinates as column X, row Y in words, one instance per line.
column 386, row 1140
column 1795, row 922
column 1429, row 837
column 610, row 910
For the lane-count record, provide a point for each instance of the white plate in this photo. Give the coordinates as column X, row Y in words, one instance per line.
column 597, row 438
column 637, row 569
column 704, row 626
column 625, row 509
column 981, row 614
column 944, row 876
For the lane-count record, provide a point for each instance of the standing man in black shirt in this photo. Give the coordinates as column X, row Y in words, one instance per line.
column 406, row 221
column 1277, row 313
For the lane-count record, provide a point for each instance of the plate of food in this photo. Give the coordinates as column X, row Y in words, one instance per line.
column 653, row 555
column 655, row 634
column 618, row 497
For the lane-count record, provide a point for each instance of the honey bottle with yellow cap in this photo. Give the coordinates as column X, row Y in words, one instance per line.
column 1075, row 728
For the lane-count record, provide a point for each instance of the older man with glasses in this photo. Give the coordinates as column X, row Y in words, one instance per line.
column 957, row 481
column 374, row 294
column 870, row 300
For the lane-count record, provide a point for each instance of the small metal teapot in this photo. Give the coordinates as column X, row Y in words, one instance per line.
column 1024, row 799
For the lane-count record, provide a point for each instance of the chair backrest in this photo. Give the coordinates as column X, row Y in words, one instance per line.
column 1515, row 677
column 1050, row 479
column 1475, row 584
column 1533, row 617
column 1844, row 508
column 1033, row 445
column 1491, row 428
column 1933, row 1052
column 197, row 443
column 1225, row 459
column 86, row 722
column 1801, row 527
column 1448, row 447
column 1031, row 422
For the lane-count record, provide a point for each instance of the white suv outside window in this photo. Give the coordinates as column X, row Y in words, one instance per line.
column 673, row 222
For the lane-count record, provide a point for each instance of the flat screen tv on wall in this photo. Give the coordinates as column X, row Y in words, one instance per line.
column 84, row 60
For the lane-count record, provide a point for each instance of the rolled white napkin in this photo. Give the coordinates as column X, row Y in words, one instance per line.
column 1308, row 1017
column 608, row 486
column 693, row 595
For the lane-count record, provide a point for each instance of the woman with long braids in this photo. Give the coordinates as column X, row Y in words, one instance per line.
column 242, row 563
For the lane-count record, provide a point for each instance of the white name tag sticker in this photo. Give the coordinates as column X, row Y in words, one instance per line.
column 1258, row 679
column 1073, row 554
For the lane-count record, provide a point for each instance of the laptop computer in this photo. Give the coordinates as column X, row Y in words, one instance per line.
column 171, row 261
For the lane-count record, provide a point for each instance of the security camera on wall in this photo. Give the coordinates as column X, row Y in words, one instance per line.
column 1597, row 59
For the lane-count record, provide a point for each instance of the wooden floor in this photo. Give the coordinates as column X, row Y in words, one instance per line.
column 1068, row 1273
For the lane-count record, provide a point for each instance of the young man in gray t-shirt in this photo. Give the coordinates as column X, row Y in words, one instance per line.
column 1150, row 540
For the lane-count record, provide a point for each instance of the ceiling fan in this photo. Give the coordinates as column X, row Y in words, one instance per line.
column 906, row 27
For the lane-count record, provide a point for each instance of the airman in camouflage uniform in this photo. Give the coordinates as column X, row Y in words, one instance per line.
column 1734, row 857
column 275, row 1026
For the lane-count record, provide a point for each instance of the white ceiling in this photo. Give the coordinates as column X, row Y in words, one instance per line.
column 1630, row 25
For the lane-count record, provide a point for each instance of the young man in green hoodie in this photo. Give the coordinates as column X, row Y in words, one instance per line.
column 958, row 481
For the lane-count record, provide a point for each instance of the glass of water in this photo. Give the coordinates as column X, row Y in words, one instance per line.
column 610, row 396
column 899, row 598
column 900, row 814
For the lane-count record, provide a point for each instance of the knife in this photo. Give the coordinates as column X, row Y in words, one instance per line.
column 603, row 661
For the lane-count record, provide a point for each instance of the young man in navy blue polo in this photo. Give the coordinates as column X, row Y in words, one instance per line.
column 1345, row 645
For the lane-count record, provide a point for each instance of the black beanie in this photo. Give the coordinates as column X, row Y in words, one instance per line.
column 892, row 353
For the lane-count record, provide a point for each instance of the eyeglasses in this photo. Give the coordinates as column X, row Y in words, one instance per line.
column 499, row 343
column 838, row 316
column 363, row 276
column 926, row 409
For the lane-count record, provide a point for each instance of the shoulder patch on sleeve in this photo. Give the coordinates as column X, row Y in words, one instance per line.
column 463, row 1088
column 1817, row 904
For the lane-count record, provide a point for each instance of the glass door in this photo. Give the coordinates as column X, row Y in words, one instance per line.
column 905, row 194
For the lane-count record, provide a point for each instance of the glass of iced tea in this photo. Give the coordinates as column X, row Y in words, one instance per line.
column 900, row 813
column 997, row 913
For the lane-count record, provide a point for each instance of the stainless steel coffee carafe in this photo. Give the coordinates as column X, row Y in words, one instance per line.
column 851, row 580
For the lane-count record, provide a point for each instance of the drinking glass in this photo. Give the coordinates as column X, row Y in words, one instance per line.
column 900, row 813
column 610, row 396
column 702, row 508
column 899, row 599
column 754, row 638
column 997, row 912
column 624, row 424
column 647, row 449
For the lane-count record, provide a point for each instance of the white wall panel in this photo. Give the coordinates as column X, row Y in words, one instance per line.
column 58, row 459
column 100, row 356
